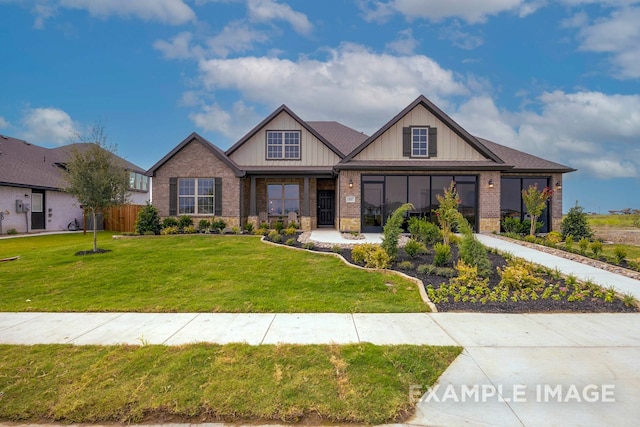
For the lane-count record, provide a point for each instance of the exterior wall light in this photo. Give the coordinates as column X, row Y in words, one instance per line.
column 558, row 185
column 350, row 183
column 490, row 183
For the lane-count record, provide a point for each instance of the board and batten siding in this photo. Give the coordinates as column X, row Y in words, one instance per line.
column 312, row 151
column 389, row 145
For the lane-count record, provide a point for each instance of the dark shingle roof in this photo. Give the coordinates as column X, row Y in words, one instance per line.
column 340, row 136
column 523, row 162
column 24, row 164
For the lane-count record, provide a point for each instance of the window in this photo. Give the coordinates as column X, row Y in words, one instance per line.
column 419, row 142
column 138, row 181
column 196, row 196
column 283, row 198
column 283, row 145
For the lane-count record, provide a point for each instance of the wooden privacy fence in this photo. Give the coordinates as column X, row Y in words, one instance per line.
column 122, row 218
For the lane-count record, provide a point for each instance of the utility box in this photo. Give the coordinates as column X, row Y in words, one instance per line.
column 19, row 206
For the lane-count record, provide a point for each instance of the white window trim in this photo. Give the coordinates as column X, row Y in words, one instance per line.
column 283, row 145
column 195, row 197
column 413, row 147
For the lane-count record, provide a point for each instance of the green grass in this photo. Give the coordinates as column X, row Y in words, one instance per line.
column 633, row 252
column 359, row 383
column 196, row 273
column 611, row 220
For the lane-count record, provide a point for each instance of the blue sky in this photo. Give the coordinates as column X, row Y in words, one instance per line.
column 559, row 79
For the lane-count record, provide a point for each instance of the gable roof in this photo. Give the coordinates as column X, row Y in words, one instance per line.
column 433, row 109
column 210, row 146
column 23, row 164
column 283, row 108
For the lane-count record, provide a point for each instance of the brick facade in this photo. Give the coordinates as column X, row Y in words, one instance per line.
column 195, row 160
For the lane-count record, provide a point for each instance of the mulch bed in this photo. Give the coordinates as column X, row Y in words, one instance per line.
column 588, row 305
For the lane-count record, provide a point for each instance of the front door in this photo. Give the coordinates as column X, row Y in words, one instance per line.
column 37, row 210
column 372, row 204
column 326, row 208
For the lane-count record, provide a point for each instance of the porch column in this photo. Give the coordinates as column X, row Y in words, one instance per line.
column 306, row 202
column 252, row 197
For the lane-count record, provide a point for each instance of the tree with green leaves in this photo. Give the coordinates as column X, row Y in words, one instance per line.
column 535, row 202
column 447, row 213
column 95, row 175
column 393, row 229
column 575, row 224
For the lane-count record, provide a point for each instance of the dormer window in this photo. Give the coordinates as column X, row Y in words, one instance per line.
column 419, row 142
column 283, row 145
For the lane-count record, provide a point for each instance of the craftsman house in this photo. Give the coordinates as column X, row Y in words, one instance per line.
column 32, row 196
column 325, row 174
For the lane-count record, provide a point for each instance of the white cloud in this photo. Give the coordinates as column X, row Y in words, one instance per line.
column 590, row 130
column 178, row 48
column 405, row 44
column 619, row 35
column 3, row 123
column 235, row 37
column 471, row 11
column 173, row 12
column 213, row 118
column 269, row 10
column 48, row 126
column 338, row 87
column 460, row 38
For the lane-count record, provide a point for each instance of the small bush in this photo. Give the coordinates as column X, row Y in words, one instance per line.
column 264, row 226
column 235, row 230
column 583, row 244
column 204, row 224
column 169, row 222
column 190, row 229
column 248, row 227
column 512, row 225
column 575, row 224
column 309, row 245
column 529, row 238
column 442, row 254
column 405, row 265
column 276, row 238
column 337, row 249
column 393, row 228
column 359, row 252
column 619, row 253
column 568, row 242
column 426, row 268
column 148, row 220
column 290, row 231
column 517, row 276
column 290, row 242
column 414, row 248
column 473, row 253
column 372, row 255
column 553, row 238
column 424, row 231
column 170, row 230
column 293, row 224
column 12, row 231
column 184, row 221
column 445, row 272
column 596, row 247
column 149, row 233
column 279, row 226
column 468, row 275
column 218, row 225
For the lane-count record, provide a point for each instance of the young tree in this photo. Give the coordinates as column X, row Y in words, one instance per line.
column 393, row 229
column 447, row 213
column 535, row 202
column 95, row 175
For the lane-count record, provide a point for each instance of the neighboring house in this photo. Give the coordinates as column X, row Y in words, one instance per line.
column 32, row 182
column 329, row 175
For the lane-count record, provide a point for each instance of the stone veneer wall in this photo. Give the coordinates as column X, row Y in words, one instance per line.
column 195, row 160
column 489, row 201
column 349, row 213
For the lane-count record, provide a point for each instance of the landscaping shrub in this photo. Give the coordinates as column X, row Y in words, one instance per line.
column 309, row 245
column 575, row 224
column 447, row 272
column 359, row 252
column 290, row 242
column 414, row 248
column 553, row 238
column 518, row 275
column 568, row 242
column 293, row 224
column 583, row 244
column 12, row 231
column 276, row 238
column 169, row 222
column 149, row 233
column 512, row 225
column 424, row 231
column 468, row 275
column 426, row 268
column 148, row 220
column 447, row 213
column 393, row 228
column 619, row 253
column 279, row 226
column 184, row 221
column 442, row 254
column 337, row 249
column 170, row 230
column 405, row 265
column 190, row 229
column 248, row 227
column 471, row 251
column 235, row 230
column 218, row 225
column 204, row 224
column 535, row 202
column 596, row 247
column 272, row 234
column 372, row 255
column 290, row 231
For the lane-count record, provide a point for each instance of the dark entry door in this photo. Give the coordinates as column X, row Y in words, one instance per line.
column 326, row 208
column 37, row 210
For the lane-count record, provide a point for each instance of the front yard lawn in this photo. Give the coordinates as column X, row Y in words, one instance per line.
column 359, row 383
column 190, row 273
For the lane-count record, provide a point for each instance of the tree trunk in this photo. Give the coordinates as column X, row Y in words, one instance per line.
column 532, row 230
column 95, row 231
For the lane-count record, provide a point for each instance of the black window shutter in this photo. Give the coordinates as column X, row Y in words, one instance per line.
column 433, row 142
column 218, row 196
column 173, row 196
column 406, row 142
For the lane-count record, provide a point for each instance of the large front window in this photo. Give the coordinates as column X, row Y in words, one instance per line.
column 283, row 198
column 196, row 196
column 283, row 145
column 419, row 142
